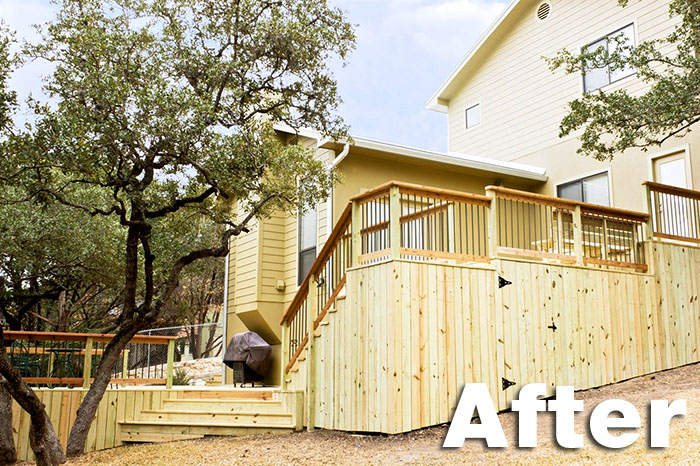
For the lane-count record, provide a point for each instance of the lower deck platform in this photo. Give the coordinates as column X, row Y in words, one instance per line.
column 156, row 414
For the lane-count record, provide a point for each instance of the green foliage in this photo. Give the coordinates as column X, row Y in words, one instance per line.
column 161, row 124
column 8, row 98
column 614, row 121
column 46, row 250
column 181, row 376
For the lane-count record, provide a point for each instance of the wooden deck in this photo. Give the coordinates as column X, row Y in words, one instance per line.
column 155, row 414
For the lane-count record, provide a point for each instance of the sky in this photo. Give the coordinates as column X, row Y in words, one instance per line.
column 405, row 51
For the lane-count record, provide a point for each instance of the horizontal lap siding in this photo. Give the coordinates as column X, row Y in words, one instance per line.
column 520, row 96
column 397, row 351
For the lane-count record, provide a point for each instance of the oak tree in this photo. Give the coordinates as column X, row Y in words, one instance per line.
column 161, row 112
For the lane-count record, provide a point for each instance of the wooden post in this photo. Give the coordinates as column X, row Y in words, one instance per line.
column 171, row 360
column 395, row 222
column 356, row 226
column 651, row 210
column 87, row 363
column 492, row 224
column 52, row 363
column 125, row 364
column 312, row 310
column 578, row 235
column 285, row 354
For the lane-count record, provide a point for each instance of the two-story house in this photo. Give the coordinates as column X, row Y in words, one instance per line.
column 510, row 259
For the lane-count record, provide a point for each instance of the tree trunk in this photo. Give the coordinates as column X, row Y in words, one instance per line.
column 42, row 437
column 103, row 374
column 8, row 454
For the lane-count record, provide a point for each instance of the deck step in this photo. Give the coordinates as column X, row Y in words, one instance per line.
column 238, row 394
column 128, row 437
column 133, row 431
column 223, row 417
column 231, row 406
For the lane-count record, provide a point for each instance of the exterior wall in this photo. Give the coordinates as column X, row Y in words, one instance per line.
column 627, row 171
column 396, row 352
column 523, row 102
column 257, row 262
column 361, row 171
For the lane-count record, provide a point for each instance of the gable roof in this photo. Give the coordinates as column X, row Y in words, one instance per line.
column 439, row 100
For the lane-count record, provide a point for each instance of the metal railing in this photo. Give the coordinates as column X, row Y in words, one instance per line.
column 70, row 359
column 532, row 225
column 675, row 212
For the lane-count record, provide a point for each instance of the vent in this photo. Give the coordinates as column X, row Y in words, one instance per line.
column 543, row 11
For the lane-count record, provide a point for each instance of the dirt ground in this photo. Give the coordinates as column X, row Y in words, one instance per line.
column 424, row 447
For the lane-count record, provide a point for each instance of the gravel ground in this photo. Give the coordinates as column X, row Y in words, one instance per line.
column 423, row 447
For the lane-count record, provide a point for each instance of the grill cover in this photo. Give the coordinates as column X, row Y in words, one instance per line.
column 250, row 348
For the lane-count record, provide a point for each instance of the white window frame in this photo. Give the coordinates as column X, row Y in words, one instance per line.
column 298, row 243
column 607, row 171
column 481, row 115
column 600, row 34
column 685, row 149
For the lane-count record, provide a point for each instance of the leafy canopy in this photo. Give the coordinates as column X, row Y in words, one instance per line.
column 613, row 121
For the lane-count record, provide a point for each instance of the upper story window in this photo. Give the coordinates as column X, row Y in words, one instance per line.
column 592, row 189
column 595, row 78
column 473, row 116
column 308, row 236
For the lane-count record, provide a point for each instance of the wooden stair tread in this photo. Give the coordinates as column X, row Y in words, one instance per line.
column 125, row 424
column 220, row 400
column 157, row 437
column 215, row 413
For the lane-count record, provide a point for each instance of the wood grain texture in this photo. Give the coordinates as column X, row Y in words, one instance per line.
column 395, row 356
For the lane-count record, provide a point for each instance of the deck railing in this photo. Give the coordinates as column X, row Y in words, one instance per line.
column 675, row 212
column 532, row 225
column 406, row 221
column 70, row 359
column 318, row 291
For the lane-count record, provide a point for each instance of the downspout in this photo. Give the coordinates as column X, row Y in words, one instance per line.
column 329, row 203
column 224, row 337
column 341, row 156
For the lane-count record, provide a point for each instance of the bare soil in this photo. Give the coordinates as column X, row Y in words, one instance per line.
column 424, row 446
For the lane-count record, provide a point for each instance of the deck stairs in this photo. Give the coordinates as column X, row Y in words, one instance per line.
column 191, row 415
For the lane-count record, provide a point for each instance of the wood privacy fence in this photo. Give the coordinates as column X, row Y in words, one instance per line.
column 393, row 354
column 70, row 359
column 588, row 258
column 406, row 221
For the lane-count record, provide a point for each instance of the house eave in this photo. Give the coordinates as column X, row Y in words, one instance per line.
column 517, row 170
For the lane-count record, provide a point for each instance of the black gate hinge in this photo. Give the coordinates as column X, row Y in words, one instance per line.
column 505, row 383
column 503, row 282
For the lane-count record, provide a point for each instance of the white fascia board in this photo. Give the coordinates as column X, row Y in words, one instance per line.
column 305, row 132
column 462, row 160
column 434, row 102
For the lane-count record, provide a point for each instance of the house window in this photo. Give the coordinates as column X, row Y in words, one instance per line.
column 595, row 78
column 473, row 116
column 308, row 236
column 593, row 189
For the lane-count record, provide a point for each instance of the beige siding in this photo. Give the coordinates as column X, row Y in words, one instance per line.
column 523, row 102
column 520, row 96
